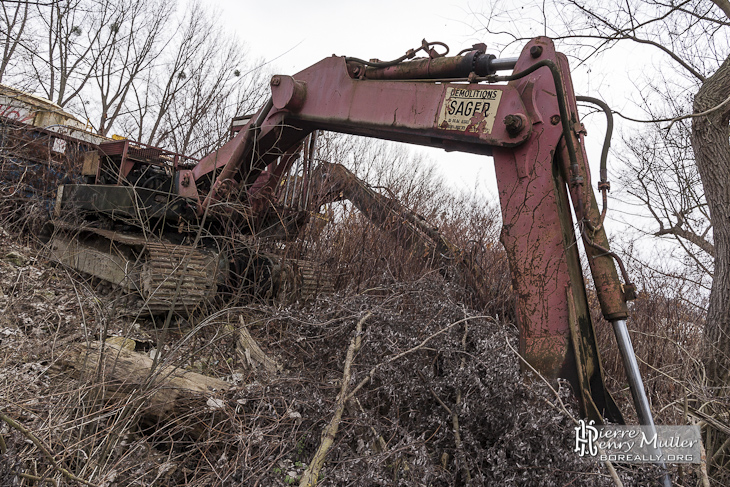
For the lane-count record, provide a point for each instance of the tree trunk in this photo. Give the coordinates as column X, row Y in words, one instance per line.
column 168, row 394
column 711, row 145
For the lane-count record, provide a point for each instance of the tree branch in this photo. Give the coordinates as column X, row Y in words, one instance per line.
column 694, row 115
column 43, row 448
column 310, row 477
column 724, row 5
column 630, row 34
column 670, row 53
column 679, row 231
column 371, row 374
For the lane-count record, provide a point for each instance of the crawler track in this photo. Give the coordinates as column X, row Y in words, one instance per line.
column 168, row 276
column 160, row 272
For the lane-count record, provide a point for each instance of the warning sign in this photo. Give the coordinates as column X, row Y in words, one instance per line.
column 469, row 110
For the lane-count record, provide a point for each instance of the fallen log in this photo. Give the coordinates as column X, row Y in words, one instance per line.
column 161, row 395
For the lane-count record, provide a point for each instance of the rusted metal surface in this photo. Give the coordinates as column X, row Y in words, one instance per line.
column 556, row 332
column 608, row 286
column 177, row 277
column 95, row 260
column 443, row 67
column 165, row 275
column 385, row 212
column 127, row 202
column 121, row 160
column 33, row 160
column 405, row 112
column 335, row 182
column 513, row 126
column 303, row 281
column 289, row 94
column 473, row 63
column 531, row 133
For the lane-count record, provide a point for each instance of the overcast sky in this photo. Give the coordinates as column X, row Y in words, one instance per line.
column 292, row 35
column 308, row 31
column 296, row 34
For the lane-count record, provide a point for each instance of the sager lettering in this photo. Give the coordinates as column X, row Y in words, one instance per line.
column 467, row 108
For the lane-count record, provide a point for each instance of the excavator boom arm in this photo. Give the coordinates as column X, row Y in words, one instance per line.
column 532, row 129
column 337, row 182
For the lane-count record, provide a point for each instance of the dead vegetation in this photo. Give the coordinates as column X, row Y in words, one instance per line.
column 434, row 395
column 406, row 375
column 265, row 429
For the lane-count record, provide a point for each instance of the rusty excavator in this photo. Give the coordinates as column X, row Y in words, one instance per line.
column 177, row 230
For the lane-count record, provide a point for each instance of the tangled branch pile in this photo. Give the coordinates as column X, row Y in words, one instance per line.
column 452, row 411
column 406, row 376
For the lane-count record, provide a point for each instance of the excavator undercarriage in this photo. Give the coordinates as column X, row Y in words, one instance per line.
column 128, row 228
column 166, row 276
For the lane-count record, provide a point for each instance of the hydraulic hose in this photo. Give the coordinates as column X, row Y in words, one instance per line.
column 410, row 54
column 572, row 153
column 603, row 185
column 560, row 92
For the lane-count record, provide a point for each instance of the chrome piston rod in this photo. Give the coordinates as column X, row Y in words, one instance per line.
column 503, row 64
column 643, row 411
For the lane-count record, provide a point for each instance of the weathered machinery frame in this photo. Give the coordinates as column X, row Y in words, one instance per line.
column 532, row 129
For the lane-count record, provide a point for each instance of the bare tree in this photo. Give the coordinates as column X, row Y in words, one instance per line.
column 198, row 119
column 659, row 174
column 124, row 50
column 61, row 57
column 135, row 67
column 153, row 95
column 82, row 54
column 201, row 80
column 12, row 31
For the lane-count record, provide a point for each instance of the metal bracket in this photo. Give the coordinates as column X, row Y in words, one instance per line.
column 579, row 129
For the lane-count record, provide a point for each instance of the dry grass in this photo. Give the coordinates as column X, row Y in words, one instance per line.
column 394, row 431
